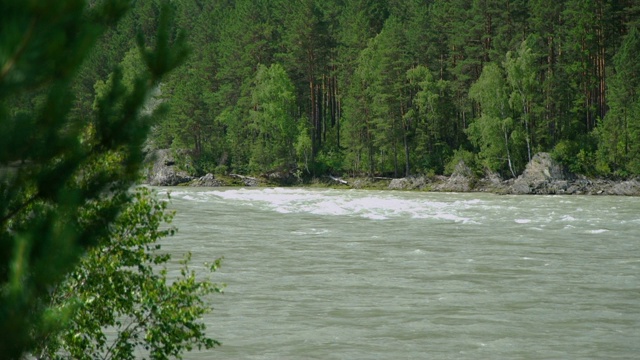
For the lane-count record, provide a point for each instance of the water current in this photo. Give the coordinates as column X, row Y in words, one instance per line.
column 353, row 274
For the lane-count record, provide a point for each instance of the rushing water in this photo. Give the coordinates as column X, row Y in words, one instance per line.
column 349, row 274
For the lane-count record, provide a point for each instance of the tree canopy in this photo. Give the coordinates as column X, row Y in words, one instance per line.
column 347, row 62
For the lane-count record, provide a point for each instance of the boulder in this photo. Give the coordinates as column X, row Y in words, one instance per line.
column 627, row 188
column 543, row 175
column 461, row 180
column 409, row 183
column 163, row 171
column 399, row 184
column 207, row 181
column 246, row 180
column 492, row 182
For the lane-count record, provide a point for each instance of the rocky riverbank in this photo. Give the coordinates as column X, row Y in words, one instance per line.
column 542, row 176
column 163, row 171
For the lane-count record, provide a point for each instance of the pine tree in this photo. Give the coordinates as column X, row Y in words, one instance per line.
column 64, row 178
column 430, row 115
column 620, row 129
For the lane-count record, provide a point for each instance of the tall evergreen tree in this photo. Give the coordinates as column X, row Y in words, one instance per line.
column 430, row 115
column 620, row 129
column 70, row 176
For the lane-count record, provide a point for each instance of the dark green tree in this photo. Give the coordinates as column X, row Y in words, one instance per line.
column 64, row 178
column 247, row 38
column 620, row 129
column 430, row 115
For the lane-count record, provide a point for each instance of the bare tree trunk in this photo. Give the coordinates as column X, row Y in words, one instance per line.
column 506, row 144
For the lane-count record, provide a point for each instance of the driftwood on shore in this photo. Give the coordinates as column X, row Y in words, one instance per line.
column 247, row 180
column 242, row 177
column 343, row 182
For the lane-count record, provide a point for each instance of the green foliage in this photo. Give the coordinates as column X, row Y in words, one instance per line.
column 620, row 128
column 521, row 74
column 304, row 146
column 431, row 115
column 329, row 161
column 579, row 158
column 494, row 132
column 377, row 101
column 470, row 159
column 122, row 286
column 69, row 175
column 348, row 64
column 272, row 119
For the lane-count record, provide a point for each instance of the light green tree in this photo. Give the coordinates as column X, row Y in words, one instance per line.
column 521, row 73
column 122, row 286
column 304, row 145
column 273, row 101
column 495, row 133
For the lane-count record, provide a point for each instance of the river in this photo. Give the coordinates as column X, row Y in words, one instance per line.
column 354, row 274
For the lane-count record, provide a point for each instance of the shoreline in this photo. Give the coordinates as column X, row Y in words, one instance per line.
column 439, row 183
column 542, row 176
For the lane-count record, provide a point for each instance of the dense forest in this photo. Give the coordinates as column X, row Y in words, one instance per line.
column 390, row 87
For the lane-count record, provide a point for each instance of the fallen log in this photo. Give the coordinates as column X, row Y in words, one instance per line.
column 242, row 177
column 343, row 182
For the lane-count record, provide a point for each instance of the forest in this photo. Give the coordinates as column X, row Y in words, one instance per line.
column 306, row 87
column 389, row 87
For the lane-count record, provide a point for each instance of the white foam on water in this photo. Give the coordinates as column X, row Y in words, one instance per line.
column 192, row 198
column 374, row 216
column 311, row 231
column 522, row 221
column 374, row 207
column 597, row 231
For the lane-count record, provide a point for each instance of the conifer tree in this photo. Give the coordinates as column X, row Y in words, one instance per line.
column 64, row 178
column 620, row 129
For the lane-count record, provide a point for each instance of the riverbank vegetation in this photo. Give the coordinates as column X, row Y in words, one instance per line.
column 396, row 88
column 308, row 88
column 78, row 248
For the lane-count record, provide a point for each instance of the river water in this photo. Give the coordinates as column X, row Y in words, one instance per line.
column 353, row 274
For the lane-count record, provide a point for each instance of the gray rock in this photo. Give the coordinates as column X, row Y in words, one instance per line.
column 207, row 181
column 246, row 180
column 492, row 182
column 163, row 171
column 461, row 180
column 409, row 183
column 543, row 175
column 399, row 184
column 626, row 188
